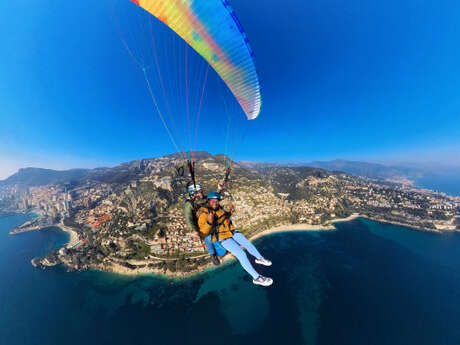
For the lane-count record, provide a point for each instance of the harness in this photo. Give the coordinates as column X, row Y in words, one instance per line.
column 219, row 221
column 196, row 208
column 196, row 205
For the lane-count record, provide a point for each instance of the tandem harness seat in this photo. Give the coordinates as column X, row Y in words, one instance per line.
column 220, row 250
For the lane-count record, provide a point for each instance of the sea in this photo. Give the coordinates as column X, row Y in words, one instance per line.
column 448, row 183
column 366, row 283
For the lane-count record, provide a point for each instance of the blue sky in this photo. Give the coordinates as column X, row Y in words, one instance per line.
column 350, row 79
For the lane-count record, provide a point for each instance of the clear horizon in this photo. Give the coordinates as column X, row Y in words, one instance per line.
column 356, row 81
column 428, row 165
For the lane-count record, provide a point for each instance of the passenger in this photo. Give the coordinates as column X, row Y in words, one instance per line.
column 192, row 204
column 215, row 221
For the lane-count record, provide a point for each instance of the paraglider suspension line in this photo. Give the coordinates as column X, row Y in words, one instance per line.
column 158, row 110
column 191, row 169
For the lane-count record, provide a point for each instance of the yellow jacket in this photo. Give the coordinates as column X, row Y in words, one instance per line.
column 222, row 222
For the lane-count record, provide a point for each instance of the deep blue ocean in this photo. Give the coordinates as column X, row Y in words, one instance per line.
column 448, row 183
column 366, row 283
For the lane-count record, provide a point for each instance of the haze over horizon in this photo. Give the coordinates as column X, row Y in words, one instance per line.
column 427, row 166
column 350, row 80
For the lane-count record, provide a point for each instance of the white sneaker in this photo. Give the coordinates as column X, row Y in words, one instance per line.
column 264, row 281
column 264, row 262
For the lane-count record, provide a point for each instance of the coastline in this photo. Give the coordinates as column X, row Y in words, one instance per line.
column 412, row 227
column 27, row 225
column 139, row 268
column 304, row 227
column 73, row 235
column 116, row 268
column 291, row 228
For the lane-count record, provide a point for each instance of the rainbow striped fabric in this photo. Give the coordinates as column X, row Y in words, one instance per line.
column 212, row 29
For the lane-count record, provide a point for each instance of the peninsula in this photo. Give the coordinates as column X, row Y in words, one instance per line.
column 129, row 219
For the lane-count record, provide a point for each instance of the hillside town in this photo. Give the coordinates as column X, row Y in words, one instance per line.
column 131, row 217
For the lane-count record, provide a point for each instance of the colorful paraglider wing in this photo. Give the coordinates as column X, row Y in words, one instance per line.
column 213, row 30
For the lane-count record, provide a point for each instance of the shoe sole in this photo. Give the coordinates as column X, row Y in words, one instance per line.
column 270, row 283
column 263, row 264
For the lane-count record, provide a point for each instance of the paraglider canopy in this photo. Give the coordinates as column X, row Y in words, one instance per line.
column 212, row 29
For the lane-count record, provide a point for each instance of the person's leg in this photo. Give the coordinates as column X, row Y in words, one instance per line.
column 236, row 250
column 245, row 243
column 209, row 245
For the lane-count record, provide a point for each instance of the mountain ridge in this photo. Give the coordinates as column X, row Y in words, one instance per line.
column 358, row 168
column 31, row 177
column 130, row 217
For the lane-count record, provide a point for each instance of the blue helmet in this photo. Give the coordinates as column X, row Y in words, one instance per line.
column 213, row 195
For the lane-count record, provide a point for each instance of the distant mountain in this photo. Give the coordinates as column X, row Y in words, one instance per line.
column 369, row 170
column 30, row 177
column 134, row 211
column 197, row 155
column 363, row 169
column 259, row 165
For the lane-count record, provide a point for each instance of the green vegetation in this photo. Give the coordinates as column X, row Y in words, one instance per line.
column 141, row 250
column 143, row 200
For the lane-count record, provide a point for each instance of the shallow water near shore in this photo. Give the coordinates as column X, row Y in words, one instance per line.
column 366, row 283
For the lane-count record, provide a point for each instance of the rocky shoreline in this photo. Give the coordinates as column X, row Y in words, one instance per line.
column 133, row 267
column 409, row 226
column 132, row 270
column 144, row 267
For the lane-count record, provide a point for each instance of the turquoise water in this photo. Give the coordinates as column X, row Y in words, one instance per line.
column 366, row 283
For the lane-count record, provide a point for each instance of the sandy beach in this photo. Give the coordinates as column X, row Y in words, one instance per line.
column 303, row 227
column 119, row 269
column 347, row 219
column 72, row 233
column 290, row 228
